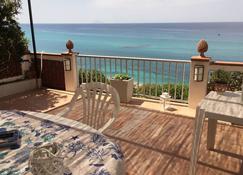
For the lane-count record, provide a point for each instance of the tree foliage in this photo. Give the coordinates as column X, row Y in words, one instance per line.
column 13, row 43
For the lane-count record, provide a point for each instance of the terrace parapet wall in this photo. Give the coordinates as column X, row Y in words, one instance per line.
column 70, row 79
column 227, row 66
column 197, row 89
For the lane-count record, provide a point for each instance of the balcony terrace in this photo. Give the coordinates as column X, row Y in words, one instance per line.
column 152, row 141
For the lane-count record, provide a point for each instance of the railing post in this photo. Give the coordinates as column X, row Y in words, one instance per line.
column 70, row 68
column 198, row 79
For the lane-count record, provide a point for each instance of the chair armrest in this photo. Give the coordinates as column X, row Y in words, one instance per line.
column 64, row 112
column 107, row 125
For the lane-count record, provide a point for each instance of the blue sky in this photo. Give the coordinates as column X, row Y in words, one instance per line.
column 130, row 11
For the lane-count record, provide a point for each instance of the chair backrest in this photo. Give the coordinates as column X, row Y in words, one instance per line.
column 100, row 104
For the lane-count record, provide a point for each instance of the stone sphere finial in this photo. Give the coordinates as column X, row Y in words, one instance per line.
column 69, row 46
column 202, row 47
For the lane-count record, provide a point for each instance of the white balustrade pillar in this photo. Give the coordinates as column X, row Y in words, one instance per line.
column 26, row 63
column 70, row 68
column 198, row 79
column 70, row 71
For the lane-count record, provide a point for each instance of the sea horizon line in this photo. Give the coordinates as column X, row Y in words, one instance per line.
column 210, row 22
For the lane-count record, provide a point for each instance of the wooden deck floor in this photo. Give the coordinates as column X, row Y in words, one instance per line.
column 155, row 143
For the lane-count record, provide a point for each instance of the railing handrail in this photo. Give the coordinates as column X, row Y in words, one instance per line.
column 136, row 58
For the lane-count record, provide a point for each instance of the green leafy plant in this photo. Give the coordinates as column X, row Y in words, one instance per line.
column 96, row 76
column 234, row 81
column 220, row 76
column 122, row 77
column 172, row 89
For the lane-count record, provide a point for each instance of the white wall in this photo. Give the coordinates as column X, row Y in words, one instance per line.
column 18, row 87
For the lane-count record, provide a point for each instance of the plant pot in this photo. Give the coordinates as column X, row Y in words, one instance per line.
column 220, row 87
column 124, row 89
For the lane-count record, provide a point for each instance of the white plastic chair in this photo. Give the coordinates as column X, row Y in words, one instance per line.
column 100, row 105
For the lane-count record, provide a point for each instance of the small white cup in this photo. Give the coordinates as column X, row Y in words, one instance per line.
column 166, row 94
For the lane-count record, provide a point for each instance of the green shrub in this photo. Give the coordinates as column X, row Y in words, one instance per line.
column 220, row 76
column 96, row 76
column 233, row 79
column 122, row 77
column 87, row 75
column 147, row 88
column 236, row 80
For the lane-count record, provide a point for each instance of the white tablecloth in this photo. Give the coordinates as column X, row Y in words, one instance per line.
column 86, row 150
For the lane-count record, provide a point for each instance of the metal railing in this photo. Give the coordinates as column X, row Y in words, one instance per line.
column 152, row 76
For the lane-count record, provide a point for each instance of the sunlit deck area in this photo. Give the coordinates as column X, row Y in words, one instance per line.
column 158, row 143
column 153, row 142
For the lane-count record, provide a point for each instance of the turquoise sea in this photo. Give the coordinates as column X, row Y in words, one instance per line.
column 165, row 40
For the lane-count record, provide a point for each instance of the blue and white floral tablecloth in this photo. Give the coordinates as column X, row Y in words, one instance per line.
column 86, row 151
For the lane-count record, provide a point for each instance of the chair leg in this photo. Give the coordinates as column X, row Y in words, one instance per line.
column 164, row 104
column 212, row 126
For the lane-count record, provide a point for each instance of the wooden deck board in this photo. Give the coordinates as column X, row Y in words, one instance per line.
column 155, row 143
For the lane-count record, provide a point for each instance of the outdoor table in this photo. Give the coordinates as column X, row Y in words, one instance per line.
column 215, row 106
column 86, row 150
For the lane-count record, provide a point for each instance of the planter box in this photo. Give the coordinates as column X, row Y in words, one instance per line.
column 124, row 89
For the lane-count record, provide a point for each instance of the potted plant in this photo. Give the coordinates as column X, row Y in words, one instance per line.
column 220, row 80
column 124, row 86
